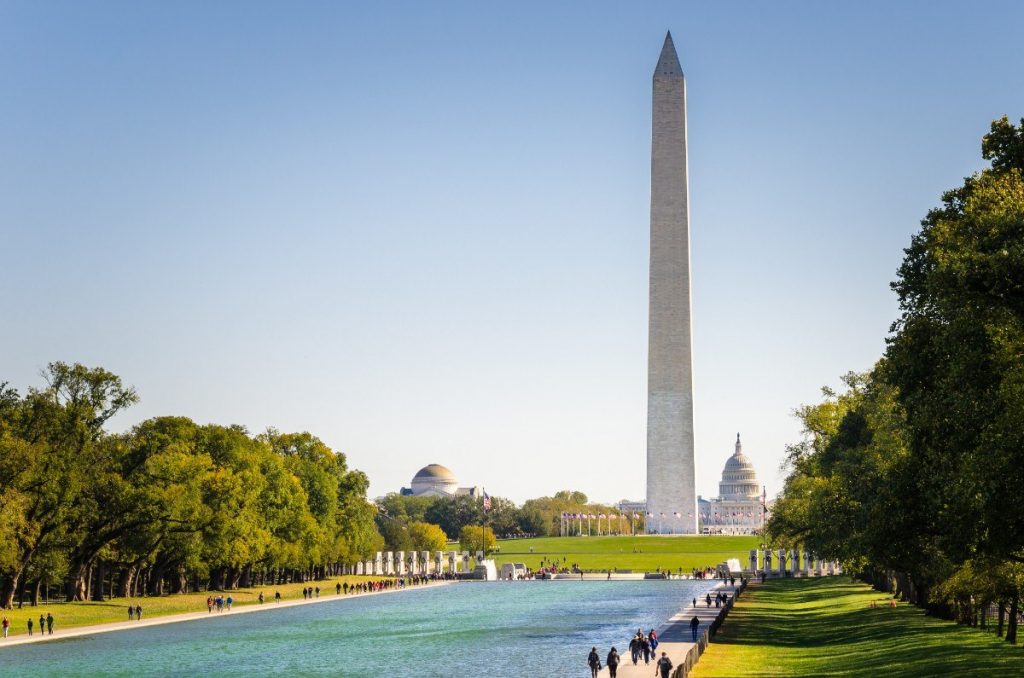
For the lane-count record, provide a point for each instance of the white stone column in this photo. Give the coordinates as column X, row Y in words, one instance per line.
column 452, row 564
column 819, row 566
column 439, row 562
column 465, row 561
column 768, row 561
column 400, row 562
column 782, row 562
column 753, row 560
column 378, row 564
column 414, row 565
column 359, row 567
column 807, row 564
column 389, row 562
column 425, row 560
column 794, row 561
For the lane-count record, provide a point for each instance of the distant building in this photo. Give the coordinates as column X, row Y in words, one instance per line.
column 738, row 507
column 434, row 480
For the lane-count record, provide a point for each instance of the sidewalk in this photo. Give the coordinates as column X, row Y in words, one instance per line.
column 674, row 638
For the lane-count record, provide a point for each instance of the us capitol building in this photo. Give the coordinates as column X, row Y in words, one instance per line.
column 738, row 507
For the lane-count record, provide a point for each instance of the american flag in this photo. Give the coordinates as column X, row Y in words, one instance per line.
column 487, row 501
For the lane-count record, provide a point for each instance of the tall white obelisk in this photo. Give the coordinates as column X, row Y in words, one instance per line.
column 671, row 488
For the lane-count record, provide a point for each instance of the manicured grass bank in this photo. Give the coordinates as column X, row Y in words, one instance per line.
column 86, row 613
column 639, row 554
column 825, row 627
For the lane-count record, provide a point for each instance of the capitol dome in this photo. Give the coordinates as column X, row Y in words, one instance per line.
column 434, row 478
column 739, row 479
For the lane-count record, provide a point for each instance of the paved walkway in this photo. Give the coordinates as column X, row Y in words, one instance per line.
column 23, row 639
column 674, row 638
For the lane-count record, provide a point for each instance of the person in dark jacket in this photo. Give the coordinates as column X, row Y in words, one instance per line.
column 634, row 649
column 645, row 648
column 694, row 625
column 594, row 660
column 664, row 665
column 612, row 660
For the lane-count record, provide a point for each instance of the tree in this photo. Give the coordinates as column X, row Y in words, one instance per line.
column 472, row 537
column 427, row 537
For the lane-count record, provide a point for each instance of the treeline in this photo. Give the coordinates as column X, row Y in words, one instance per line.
column 401, row 518
column 914, row 474
column 169, row 506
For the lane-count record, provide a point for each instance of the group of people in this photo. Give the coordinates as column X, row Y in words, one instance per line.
column 720, row 599
column 45, row 625
column 643, row 646
column 220, row 602
column 640, row 645
column 134, row 612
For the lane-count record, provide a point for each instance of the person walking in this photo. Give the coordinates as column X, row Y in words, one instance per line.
column 612, row 661
column 634, row 649
column 708, row 600
column 30, row 626
column 694, row 625
column 42, row 624
column 261, row 597
column 138, row 613
column 229, row 601
column 7, row 627
column 337, row 589
column 664, row 666
column 49, row 623
column 593, row 659
column 131, row 613
column 209, row 603
column 652, row 638
column 645, row 648
column 277, row 596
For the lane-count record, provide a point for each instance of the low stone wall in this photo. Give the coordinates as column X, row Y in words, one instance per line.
column 697, row 649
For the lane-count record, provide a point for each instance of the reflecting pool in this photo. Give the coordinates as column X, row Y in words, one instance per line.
column 538, row 629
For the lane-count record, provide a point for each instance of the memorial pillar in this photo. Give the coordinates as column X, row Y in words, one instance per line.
column 768, row 562
column 782, row 562
column 359, row 567
column 378, row 564
column 414, row 565
column 753, row 560
column 400, row 562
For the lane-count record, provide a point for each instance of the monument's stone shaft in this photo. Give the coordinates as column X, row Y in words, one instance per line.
column 671, row 488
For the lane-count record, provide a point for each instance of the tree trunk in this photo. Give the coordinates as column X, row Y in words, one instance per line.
column 75, row 586
column 1002, row 618
column 35, row 592
column 124, row 584
column 21, row 594
column 98, row 590
column 1011, row 628
column 10, row 586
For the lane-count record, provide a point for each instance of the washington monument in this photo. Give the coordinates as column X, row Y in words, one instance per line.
column 671, row 488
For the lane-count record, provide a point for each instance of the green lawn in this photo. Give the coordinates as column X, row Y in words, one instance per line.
column 68, row 615
column 824, row 627
column 639, row 554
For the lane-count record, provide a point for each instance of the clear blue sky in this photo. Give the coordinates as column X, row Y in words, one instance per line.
column 420, row 230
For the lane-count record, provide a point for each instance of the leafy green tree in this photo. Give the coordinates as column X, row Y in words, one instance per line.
column 427, row 536
column 472, row 537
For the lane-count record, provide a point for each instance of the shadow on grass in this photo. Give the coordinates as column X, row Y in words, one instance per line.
column 826, row 627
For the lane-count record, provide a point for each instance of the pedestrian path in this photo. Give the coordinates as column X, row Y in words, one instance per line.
column 675, row 638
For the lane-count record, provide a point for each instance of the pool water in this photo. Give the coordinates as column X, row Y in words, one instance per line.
column 542, row 629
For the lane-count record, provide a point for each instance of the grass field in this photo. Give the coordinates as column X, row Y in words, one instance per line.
column 69, row 615
column 639, row 554
column 824, row 627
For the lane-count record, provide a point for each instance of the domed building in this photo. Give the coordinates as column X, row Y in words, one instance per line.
column 737, row 509
column 434, row 480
